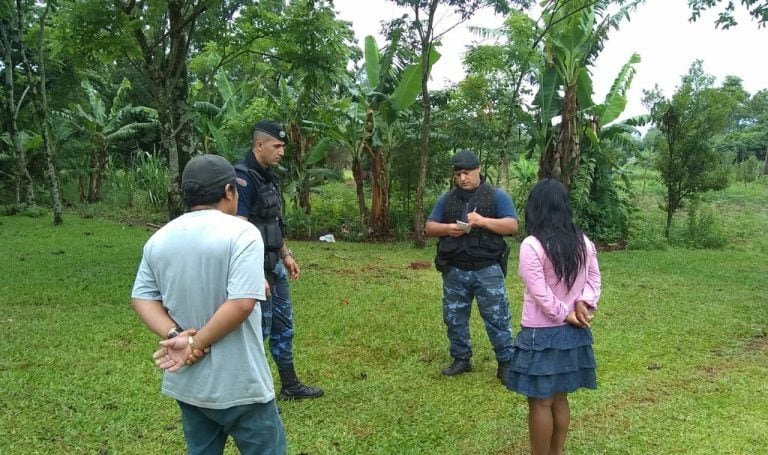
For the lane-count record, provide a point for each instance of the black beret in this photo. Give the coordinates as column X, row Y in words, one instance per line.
column 271, row 128
column 465, row 160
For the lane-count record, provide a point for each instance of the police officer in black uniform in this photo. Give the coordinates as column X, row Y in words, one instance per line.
column 261, row 203
column 471, row 221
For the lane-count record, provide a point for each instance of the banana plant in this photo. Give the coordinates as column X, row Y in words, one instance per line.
column 600, row 117
column 601, row 195
column 568, row 48
column 104, row 130
column 220, row 126
column 307, row 144
column 384, row 92
column 577, row 30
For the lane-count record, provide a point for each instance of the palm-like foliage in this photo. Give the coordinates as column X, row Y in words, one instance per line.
column 576, row 33
column 601, row 193
column 104, row 130
column 380, row 95
column 220, row 126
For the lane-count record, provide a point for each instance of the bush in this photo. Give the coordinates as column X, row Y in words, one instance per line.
column 30, row 211
column 334, row 211
column 702, row 229
column 603, row 202
column 525, row 174
column 748, row 170
column 152, row 181
column 646, row 236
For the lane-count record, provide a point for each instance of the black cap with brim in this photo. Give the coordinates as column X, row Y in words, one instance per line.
column 465, row 160
column 271, row 128
column 210, row 172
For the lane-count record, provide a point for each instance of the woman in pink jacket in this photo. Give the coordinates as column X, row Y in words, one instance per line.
column 553, row 355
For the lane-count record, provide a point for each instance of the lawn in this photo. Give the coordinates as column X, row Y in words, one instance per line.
column 681, row 342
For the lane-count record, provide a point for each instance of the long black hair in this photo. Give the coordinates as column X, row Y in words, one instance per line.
column 549, row 218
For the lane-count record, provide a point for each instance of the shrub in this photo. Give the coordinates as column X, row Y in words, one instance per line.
column 646, row 236
column 702, row 229
column 748, row 170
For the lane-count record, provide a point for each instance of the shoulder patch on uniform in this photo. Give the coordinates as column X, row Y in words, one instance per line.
column 241, row 181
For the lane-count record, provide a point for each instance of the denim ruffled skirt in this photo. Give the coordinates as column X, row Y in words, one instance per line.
column 552, row 360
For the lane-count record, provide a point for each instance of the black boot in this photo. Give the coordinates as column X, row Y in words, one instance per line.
column 503, row 371
column 457, row 367
column 293, row 389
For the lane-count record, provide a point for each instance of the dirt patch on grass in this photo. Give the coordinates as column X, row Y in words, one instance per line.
column 713, row 372
column 758, row 344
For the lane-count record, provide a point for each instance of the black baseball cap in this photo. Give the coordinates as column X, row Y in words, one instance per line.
column 210, row 172
column 465, row 160
column 272, row 128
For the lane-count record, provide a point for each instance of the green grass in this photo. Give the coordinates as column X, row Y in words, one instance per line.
column 680, row 341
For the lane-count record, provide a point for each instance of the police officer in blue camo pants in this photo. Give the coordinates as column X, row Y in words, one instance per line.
column 279, row 318
column 471, row 221
column 261, row 203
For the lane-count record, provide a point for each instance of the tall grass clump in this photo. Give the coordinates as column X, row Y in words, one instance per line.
column 334, row 211
column 152, row 180
column 747, row 171
column 702, row 229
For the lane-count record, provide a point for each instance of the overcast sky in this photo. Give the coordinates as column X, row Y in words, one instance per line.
column 659, row 31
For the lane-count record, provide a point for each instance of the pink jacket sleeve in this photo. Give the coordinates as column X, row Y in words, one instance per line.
column 531, row 270
column 591, row 293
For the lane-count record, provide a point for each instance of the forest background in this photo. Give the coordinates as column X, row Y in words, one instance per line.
column 105, row 103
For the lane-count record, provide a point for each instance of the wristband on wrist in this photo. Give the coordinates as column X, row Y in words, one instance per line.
column 173, row 333
column 192, row 343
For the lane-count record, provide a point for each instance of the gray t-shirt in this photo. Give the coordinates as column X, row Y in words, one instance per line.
column 193, row 265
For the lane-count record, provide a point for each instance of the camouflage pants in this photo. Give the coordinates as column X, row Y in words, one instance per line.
column 277, row 318
column 487, row 286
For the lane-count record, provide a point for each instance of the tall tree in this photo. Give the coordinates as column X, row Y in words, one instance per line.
column 165, row 43
column 509, row 70
column 11, row 44
column 688, row 121
column 312, row 47
column 156, row 36
column 291, row 57
column 42, row 114
column 423, row 22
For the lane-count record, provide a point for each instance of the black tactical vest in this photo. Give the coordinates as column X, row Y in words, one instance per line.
column 266, row 214
column 479, row 244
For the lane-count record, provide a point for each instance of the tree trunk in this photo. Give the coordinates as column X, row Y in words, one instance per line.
column 549, row 163
column 568, row 138
column 24, row 186
column 303, row 183
column 379, row 221
column 97, row 174
column 96, row 164
column 305, row 200
column 419, row 222
column 166, row 68
column 765, row 165
column 668, row 225
column 50, row 160
column 425, row 36
column 80, row 188
column 366, row 147
column 357, row 174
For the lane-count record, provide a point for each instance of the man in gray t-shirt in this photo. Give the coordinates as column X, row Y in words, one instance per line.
column 205, row 270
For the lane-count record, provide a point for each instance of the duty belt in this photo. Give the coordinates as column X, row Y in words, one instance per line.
column 473, row 266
